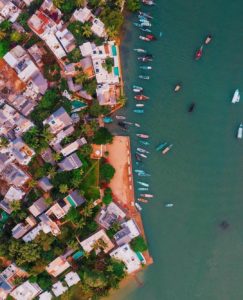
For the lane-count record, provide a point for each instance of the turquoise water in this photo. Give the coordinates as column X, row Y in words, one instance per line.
column 202, row 175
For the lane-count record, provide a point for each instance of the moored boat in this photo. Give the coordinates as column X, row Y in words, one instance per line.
column 145, row 67
column 143, row 189
column 167, row 149
column 142, row 135
column 143, row 174
column 142, row 150
column 144, row 77
column 142, row 155
column 145, row 58
column 139, row 105
column 141, row 13
column 148, row 2
column 145, row 143
column 143, row 183
column 151, row 37
column 240, row 131
column 138, row 158
column 127, row 123
column 199, row 53
column 147, row 195
column 118, row 117
column 236, row 97
column 140, row 50
column 122, row 124
column 137, row 25
column 208, row 39
column 138, row 111
column 138, row 171
column 137, row 88
column 143, row 38
column 142, row 200
column 169, row 204
column 160, row 146
column 191, row 107
column 145, row 29
column 138, row 206
column 177, row 88
column 137, row 125
column 141, row 97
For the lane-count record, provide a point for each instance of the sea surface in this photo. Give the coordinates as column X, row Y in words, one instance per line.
column 194, row 258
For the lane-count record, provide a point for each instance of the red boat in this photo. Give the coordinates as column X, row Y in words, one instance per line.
column 199, row 53
column 151, row 37
column 141, row 97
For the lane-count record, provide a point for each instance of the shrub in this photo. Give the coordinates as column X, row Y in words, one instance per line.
column 138, row 244
column 107, row 199
column 106, row 173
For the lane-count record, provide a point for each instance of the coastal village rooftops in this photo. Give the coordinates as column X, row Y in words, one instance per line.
column 45, row 296
column 110, row 214
column 71, row 162
column 86, row 49
column 66, row 39
column 9, row 11
column 107, row 94
column 89, row 244
column 45, row 184
column 22, row 228
column 38, row 22
column 98, row 28
column 14, row 175
column 87, row 66
column 72, row 278
column 58, row 289
column 128, row 256
column 22, row 152
column 75, row 199
column 38, row 207
column 128, row 232
column 73, row 146
column 57, row 266
column 83, row 15
column 26, row 291
column 59, row 209
column 58, row 120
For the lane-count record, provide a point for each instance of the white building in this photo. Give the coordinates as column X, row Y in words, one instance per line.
column 45, row 296
column 58, row 289
column 72, row 278
column 82, row 15
column 26, row 291
column 57, row 266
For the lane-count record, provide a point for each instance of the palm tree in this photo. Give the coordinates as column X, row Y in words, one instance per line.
column 63, row 188
column 80, row 78
column 56, row 156
column 3, row 142
column 87, row 211
column 2, row 35
column 58, row 3
column 15, row 205
column 87, row 32
column 122, row 100
column 32, row 183
column 52, row 172
column 47, row 134
column 80, row 3
column 81, row 223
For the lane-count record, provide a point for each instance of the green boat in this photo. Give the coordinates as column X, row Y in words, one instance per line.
column 160, row 146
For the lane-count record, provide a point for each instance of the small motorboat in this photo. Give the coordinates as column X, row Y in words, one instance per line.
column 137, row 125
column 147, row 195
column 143, row 183
column 138, row 171
column 139, row 105
column 107, row 120
column 208, row 39
column 137, row 89
column 142, row 150
column 236, row 97
column 144, row 38
column 118, row 117
column 145, row 67
column 191, row 107
column 145, row 143
column 145, row 58
column 148, row 2
column 199, row 53
column 169, row 205
column 240, row 131
column 138, row 111
column 141, row 13
column 151, row 37
column 141, row 97
column 143, row 77
column 142, row 155
column 167, row 149
column 177, row 88
column 127, row 123
column 142, row 135
column 142, row 189
column 145, row 29
column 160, row 146
column 145, row 23
column 143, row 174
column 139, row 208
column 142, row 200
column 139, row 50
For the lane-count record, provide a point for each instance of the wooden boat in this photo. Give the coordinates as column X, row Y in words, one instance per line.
column 139, row 50
column 141, row 97
column 199, row 53
column 142, row 200
column 167, row 149
column 139, row 105
column 142, row 135
column 236, row 97
column 118, row 117
column 208, row 39
column 142, row 155
column 191, row 107
column 137, row 25
column 147, row 195
column 145, row 23
column 143, row 175
column 138, row 111
column 145, row 58
column 138, row 206
column 127, row 123
column 144, row 77
column 177, row 88
column 138, row 171
column 240, row 131
column 160, row 146
column 144, row 38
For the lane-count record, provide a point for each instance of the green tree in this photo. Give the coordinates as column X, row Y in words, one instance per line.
column 108, row 64
column 86, row 150
column 80, row 3
column 90, row 86
column 80, row 78
column 4, row 47
column 45, row 241
column 86, row 28
column 102, row 136
column 106, row 172
column 94, row 279
column 63, row 188
column 16, row 37
column 73, row 244
column 2, row 35
column 73, row 215
column 122, row 100
column 107, row 199
column 15, row 205
column 133, row 5
column 3, row 142
column 58, row 3
column 138, row 244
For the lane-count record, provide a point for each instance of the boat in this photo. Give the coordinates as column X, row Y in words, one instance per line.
column 137, row 25
column 160, row 146
column 142, row 189
column 177, row 88
column 138, row 111
column 151, row 37
column 141, row 97
column 169, row 205
column 142, row 150
column 127, row 123
column 141, row 13
column 240, row 131
column 107, row 120
column 167, row 149
column 142, row 19
column 143, row 38
column 139, row 105
column 142, row 135
column 144, row 77
column 139, row 50
column 142, row 200
column 145, row 67
column 147, row 195
column 138, row 206
column 137, row 125
column 143, row 183
column 138, row 171
column 236, row 97
column 138, row 158
column 145, row 58
column 142, row 155
column 148, row 2
column 145, row 29
column 118, row 117
column 145, row 143
column 208, row 39
column 145, row 23
column 191, row 107
column 160, row 34
column 137, row 88
column 143, row 174
column 199, row 53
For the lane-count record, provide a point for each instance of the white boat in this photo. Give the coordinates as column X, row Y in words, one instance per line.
column 240, row 131
column 142, row 150
column 137, row 125
column 120, row 117
column 143, row 183
column 139, row 105
column 236, row 97
column 169, row 205
column 138, row 206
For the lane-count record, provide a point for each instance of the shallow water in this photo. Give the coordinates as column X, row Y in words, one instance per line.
column 202, row 174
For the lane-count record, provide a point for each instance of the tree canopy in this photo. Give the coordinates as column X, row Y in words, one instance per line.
column 103, row 136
